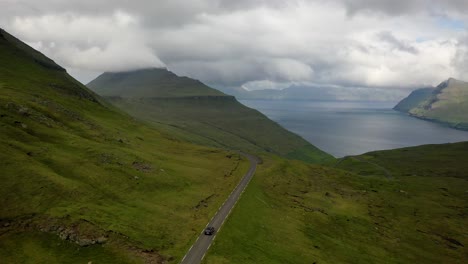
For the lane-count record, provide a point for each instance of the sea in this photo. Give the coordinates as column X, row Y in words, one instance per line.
column 352, row 128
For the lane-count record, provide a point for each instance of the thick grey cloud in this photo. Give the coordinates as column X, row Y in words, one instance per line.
column 399, row 7
column 388, row 37
column 351, row 43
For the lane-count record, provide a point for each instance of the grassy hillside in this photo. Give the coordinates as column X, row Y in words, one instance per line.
column 414, row 99
column 197, row 115
column 83, row 182
column 354, row 213
column 148, row 83
column 448, row 104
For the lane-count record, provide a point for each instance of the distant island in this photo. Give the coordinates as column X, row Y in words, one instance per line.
column 447, row 103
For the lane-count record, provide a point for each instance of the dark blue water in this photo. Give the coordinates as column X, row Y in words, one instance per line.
column 350, row 128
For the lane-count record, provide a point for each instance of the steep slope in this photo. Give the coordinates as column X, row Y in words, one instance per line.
column 200, row 114
column 354, row 213
column 448, row 104
column 81, row 181
column 414, row 99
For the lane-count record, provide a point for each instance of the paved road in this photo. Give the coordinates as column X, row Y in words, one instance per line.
column 203, row 243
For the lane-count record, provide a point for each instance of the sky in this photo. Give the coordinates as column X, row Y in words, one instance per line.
column 257, row 44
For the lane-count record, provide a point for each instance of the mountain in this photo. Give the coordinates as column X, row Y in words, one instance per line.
column 414, row 99
column 447, row 103
column 197, row 113
column 150, row 83
column 317, row 93
column 83, row 182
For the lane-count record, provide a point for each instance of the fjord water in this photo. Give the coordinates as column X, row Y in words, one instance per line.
column 351, row 128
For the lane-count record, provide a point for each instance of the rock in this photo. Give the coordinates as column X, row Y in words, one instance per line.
column 63, row 235
column 143, row 167
column 101, row 240
column 84, row 242
column 24, row 111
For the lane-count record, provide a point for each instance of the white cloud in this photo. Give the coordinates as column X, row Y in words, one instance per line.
column 266, row 85
column 349, row 43
column 98, row 43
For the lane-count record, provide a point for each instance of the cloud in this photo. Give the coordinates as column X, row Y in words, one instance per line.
column 405, row 7
column 460, row 60
column 99, row 43
column 358, row 43
column 387, row 36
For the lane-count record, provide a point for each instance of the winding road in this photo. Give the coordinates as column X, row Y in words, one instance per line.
column 198, row 250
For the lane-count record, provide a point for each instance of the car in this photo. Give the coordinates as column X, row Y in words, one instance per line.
column 209, row 231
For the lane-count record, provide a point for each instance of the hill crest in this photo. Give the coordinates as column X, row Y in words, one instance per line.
column 447, row 103
column 149, row 83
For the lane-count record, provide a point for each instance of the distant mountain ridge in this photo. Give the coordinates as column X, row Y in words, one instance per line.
column 199, row 113
column 447, row 103
column 152, row 82
column 297, row 92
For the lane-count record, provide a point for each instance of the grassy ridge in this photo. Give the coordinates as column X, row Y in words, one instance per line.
column 197, row 114
column 298, row 213
column 150, row 83
column 414, row 99
column 72, row 167
column 447, row 103
column 41, row 247
column 221, row 122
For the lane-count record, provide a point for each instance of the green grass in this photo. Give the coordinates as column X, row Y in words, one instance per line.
column 40, row 247
column 447, row 160
column 69, row 161
column 221, row 122
column 149, row 83
column 298, row 213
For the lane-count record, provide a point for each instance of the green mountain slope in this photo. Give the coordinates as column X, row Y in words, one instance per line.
column 199, row 114
column 397, row 206
column 149, row 83
column 414, row 99
column 447, row 104
column 81, row 181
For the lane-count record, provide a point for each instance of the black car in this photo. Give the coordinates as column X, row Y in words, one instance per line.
column 209, row 231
